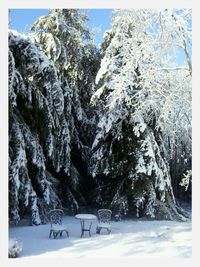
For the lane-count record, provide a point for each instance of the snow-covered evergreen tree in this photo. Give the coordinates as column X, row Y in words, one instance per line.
column 49, row 93
column 64, row 37
column 33, row 112
column 140, row 90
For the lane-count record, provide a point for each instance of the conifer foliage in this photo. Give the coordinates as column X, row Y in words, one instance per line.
column 141, row 89
column 109, row 143
column 35, row 100
column 47, row 105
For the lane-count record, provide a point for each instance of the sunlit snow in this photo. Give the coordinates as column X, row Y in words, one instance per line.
column 128, row 238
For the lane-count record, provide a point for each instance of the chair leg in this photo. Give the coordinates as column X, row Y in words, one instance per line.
column 50, row 233
column 90, row 228
column 67, row 233
column 109, row 231
column 55, row 234
column 99, row 230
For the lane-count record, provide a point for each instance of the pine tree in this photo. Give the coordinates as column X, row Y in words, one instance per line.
column 32, row 110
column 129, row 158
column 64, row 37
column 51, row 79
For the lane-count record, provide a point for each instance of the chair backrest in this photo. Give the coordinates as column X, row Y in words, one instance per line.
column 55, row 216
column 104, row 215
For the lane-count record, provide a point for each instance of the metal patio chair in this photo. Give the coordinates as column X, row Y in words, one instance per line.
column 104, row 218
column 55, row 219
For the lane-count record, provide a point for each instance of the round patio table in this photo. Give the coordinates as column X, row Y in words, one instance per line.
column 85, row 217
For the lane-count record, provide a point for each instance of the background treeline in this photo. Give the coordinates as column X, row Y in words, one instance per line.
column 108, row 127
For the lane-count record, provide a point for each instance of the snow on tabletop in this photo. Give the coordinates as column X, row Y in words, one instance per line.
column 85, row 216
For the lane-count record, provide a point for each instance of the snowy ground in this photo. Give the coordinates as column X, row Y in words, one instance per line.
column 129, row 238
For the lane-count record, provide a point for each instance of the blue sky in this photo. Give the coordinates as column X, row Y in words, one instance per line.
column 22, row 19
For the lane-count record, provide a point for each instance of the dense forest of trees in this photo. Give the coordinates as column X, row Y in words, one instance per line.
column 108, row 127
